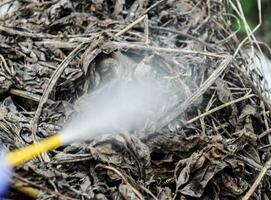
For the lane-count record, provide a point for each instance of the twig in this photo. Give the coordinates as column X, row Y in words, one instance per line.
column 12, row 31
column 11, row 73
column 127, row 28
column 167, row 50
column 219, row 108
column 231, row 35
column 25, row 189
column 264, row 133
column 250, row 33
column 139, row 195
column 57, row 44
column 258, row 180
column 146, row 28
column 148, row 191
column 32, row 189
column 153, row 6
column 27, row 95
column 49, row 87
column 202, row 124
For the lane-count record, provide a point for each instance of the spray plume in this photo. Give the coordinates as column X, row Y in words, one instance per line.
column 132, row 103
column 121, row 106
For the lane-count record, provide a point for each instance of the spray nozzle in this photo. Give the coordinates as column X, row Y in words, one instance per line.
column 19, row 156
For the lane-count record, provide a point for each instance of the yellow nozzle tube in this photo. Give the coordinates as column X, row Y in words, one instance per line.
column 20, row 156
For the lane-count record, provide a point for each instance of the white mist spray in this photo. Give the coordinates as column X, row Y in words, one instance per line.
column 121, row 106
column 132, row 101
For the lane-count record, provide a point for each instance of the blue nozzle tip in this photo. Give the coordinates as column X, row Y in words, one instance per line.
column 5, row 175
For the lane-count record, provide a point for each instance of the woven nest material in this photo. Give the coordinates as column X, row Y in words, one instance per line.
column 212, row 142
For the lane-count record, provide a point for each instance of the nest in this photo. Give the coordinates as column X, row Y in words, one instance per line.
column 211, row 144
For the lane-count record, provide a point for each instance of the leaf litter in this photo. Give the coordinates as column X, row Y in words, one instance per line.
column 210, row 143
